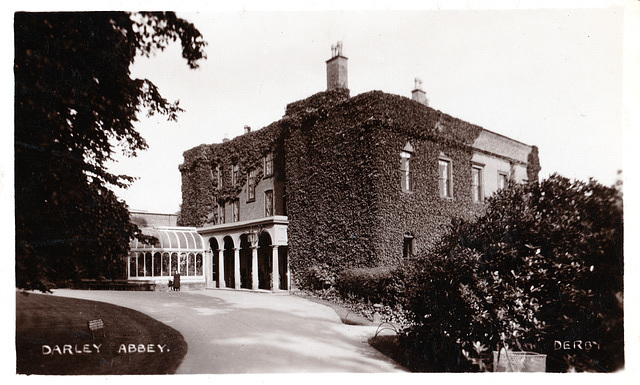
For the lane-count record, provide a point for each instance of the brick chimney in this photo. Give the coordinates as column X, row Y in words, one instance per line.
column 418, row 94
column 337, row 69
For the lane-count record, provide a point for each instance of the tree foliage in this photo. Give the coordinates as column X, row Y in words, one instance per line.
column 75, row 103
column 544, row 265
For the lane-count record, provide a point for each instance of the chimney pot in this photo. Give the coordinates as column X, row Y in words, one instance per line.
column 247, row 129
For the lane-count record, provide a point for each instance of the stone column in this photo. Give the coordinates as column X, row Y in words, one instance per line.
column 207, row 266
column 220, row 256
column 275, row 275
column 288, row 273
column 236, row 267
column 254, row 268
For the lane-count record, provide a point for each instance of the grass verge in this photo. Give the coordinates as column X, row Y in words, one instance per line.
column 44, row 322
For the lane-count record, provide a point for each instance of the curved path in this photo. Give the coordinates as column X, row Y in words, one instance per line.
column 254, row 332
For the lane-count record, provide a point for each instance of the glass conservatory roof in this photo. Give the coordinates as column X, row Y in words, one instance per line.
column 174, row 238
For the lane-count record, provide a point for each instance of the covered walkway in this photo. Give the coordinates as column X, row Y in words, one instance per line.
column 248, row 254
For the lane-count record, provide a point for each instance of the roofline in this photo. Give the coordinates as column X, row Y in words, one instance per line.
column 506, row 137
column 138, row 211
column 276, row 219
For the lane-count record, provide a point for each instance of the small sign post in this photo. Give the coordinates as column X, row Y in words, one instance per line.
column 94, row 325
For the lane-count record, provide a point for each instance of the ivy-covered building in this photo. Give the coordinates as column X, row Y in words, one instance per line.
column 341, row 182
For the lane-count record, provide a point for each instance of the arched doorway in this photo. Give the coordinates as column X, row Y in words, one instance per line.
column 229, row 276
column 265, row 261
column 213, row 244
column 245, row 262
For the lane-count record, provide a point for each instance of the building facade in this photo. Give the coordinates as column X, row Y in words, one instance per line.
column 341, row 182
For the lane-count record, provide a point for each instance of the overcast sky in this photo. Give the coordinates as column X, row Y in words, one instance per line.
column 551, row 78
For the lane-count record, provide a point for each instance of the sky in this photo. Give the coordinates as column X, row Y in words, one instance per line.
column 548, row 77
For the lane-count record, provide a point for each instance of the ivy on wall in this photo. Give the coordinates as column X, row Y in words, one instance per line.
column 339, row 158
column 200, row 191
column 533, row 165
column 346, row 205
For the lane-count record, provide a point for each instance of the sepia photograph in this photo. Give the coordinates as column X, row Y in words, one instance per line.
column 419, row 190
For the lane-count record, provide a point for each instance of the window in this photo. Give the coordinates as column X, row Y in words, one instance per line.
column 219, row 176
column 503, row 180
column 251, row 186
column 191, row 263
column 268, row 203
column 199, row 269
column 477, row 188
column 234, row 174
column 148, row 264
column 407, row 246
column 236, row 210
column 133, row 262
column 268, row 165
column 405, row 168
column 444, row 178
column 182, row 267
column 174, row 263
column 157, row 264
column 221, row 218
column 166, row 263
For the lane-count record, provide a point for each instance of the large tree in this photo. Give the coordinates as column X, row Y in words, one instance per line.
column 75, row 102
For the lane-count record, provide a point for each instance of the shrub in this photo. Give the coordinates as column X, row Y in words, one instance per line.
column 543, row 265
column 381, row 284
column 317, row 277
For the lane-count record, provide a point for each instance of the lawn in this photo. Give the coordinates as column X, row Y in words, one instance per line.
column 53, row 337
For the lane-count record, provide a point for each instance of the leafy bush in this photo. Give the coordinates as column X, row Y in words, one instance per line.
column 544, row 265
column 317, row 278
column 381, row 284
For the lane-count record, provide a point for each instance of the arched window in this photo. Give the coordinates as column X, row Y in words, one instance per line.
column 166, row 264
column 174, row 263
column 157, row 264
column 183, row 264
column 192, row 264
column 140, row 265
column 148, row 264
column 199, row 269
